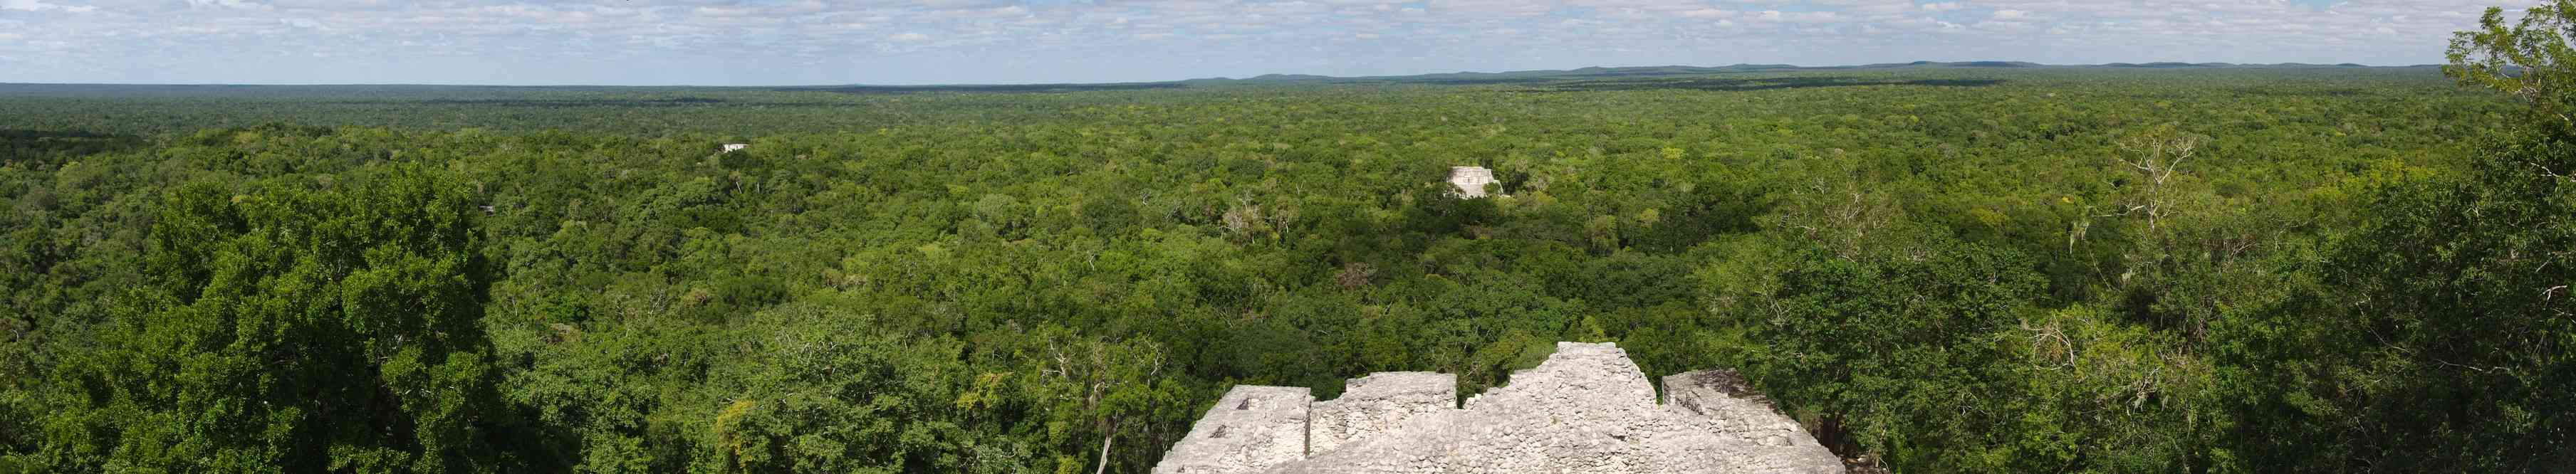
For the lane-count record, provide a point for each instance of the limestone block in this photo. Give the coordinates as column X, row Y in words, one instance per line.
column 1726, row 399
column 1379, row 403
column 1580, row 376
column 1251, row 428
column 1587, row 409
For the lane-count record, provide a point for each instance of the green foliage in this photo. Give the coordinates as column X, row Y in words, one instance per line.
column 1943, row 269
column 2440, row 335
column 308, row 326
column 1904, row 349
column 2530, row 60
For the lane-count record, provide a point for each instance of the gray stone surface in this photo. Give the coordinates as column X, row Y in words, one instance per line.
column 1379, row 403
column 1470, row 180
column 1586, row 409
column 1251, row 428
column 1723, row 398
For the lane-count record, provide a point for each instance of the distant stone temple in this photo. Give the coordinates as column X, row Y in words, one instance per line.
column 1470, row 180
column 1586, row 409
column 730, row 147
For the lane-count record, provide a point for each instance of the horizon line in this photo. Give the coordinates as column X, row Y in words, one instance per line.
column 1224, row 78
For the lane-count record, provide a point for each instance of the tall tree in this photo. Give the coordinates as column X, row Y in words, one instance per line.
column 2529, row 59
column 2441, row 337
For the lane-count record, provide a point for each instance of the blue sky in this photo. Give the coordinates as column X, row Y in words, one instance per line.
column 742, row 42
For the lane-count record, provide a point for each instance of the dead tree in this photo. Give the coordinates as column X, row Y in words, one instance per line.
column 2156, row 155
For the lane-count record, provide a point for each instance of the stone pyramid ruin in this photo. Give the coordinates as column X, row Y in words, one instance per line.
column 1586, row 409
column 1470, row 180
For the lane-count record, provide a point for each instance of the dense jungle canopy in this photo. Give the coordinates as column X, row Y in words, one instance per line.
column 1981, row 267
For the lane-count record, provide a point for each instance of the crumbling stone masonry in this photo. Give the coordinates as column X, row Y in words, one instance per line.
column 1251, row 426
column 1470, row 180
column 1586, row 409
column 1379, row 403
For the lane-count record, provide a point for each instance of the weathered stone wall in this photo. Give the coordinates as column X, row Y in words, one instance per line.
column 1379, row 403
column 1252, row 427
column 1586, row 409
column 1722, row 398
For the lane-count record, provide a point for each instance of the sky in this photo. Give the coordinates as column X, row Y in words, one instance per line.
column 796, row 42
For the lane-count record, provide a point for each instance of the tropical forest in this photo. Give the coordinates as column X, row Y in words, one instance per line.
column 1932, row 266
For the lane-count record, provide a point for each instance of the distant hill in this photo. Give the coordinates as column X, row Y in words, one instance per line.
column 1555, row 77
column 1593, row 76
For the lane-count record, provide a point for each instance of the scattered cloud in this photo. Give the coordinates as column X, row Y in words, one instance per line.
column 1796, row 17
column 1708, row 13
column 923, row 41
column 40, row 5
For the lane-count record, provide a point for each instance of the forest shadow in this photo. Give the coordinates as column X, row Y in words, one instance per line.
column 1766, row 83
column 32, row 144
column 1120, row 86
column 580, row 102
column 671, row 102
column 1489, row 81
column 2298, row 92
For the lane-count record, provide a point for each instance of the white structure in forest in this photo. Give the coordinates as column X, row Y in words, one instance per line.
column 730, row 147
column 1470, row 180
column 1586, row 409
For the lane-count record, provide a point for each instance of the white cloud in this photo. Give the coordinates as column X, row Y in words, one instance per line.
column 909, row 37
column 1795, row 17
column 235, row 4
column 1708, row 13
column 40, row 5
